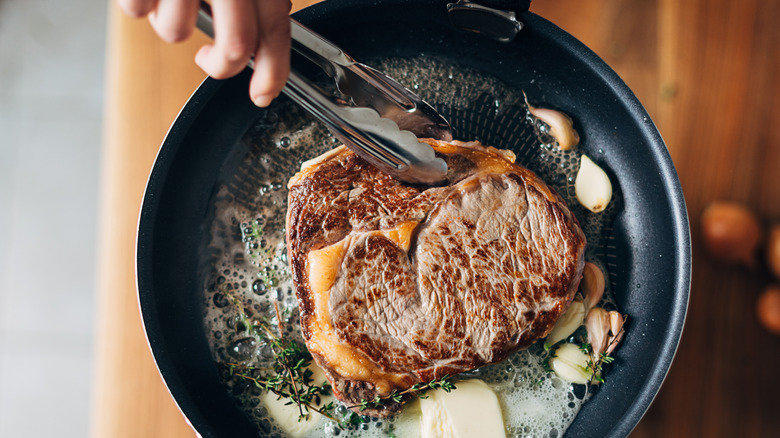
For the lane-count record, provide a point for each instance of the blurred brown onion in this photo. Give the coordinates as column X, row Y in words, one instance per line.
column 773, row 250
column 731, row 233
column 768, row 309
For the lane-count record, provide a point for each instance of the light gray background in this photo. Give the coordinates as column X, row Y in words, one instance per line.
column 51, row 98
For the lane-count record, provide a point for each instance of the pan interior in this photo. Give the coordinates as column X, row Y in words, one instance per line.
column 214, row 154
column 245, row 259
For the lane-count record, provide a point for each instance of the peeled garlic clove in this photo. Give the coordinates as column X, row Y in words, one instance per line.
column 592, row 285
column 616, row 321
column 597, row 323
column 592, row 186
column 566, row 325
column 571, row 364
column 561, row 125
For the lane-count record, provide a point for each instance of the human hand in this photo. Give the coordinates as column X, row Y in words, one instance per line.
column 242, row 28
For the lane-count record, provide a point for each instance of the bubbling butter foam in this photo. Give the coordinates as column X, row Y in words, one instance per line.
column 245, row 259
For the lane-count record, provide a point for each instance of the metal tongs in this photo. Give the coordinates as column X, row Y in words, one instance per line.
column 384, row 119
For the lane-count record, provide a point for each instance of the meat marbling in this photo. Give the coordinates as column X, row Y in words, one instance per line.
column 401, row 284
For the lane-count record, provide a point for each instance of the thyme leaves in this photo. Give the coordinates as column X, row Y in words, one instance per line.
column 289, row 376
column 416, row 390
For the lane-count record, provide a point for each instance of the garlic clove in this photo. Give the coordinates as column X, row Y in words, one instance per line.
column 597, row 323
column 561, row 125
column 567, row 324
column 571, row 364
column 616, row 321
column 592, row 285
column 592, row 186
column 605, row 331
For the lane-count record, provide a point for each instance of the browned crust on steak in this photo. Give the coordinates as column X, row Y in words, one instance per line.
column 427, row 281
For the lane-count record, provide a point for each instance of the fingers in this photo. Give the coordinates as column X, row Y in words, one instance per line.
column 242, row 28
column 137, row 8
column 272, row 58
column 174, row 20
column 235, row 30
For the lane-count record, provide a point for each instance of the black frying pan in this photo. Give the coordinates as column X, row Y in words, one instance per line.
column 649, row 253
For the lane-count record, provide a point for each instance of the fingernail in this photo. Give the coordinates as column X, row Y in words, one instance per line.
column 263, row 100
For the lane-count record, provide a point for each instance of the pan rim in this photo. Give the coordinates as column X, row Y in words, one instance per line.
column 210, row 88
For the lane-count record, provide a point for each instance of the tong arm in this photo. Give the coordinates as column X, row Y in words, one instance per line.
column 352, row 78
column 375, row 138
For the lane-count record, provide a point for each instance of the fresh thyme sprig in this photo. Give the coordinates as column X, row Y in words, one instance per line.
column 289, row 375
column 596, row 367
column 306, row 396
column 418, row 389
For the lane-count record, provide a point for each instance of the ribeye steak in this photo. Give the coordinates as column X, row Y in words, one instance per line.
column 401, row 284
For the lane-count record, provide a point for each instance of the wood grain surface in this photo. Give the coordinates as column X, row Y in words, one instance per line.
column 708, row 72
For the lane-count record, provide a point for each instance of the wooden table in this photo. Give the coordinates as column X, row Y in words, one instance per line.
column 707, row 71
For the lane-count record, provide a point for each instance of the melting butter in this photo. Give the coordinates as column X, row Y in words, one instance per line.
column 471, row 410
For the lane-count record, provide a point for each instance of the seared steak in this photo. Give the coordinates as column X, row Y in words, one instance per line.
column 401, row 284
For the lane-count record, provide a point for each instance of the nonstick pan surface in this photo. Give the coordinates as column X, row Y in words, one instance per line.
column 647, row 248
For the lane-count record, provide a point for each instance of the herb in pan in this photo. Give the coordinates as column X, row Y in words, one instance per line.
column 290, row 377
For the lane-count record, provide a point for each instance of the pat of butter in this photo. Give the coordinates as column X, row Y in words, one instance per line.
column 286, row 416
column 471, row 410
